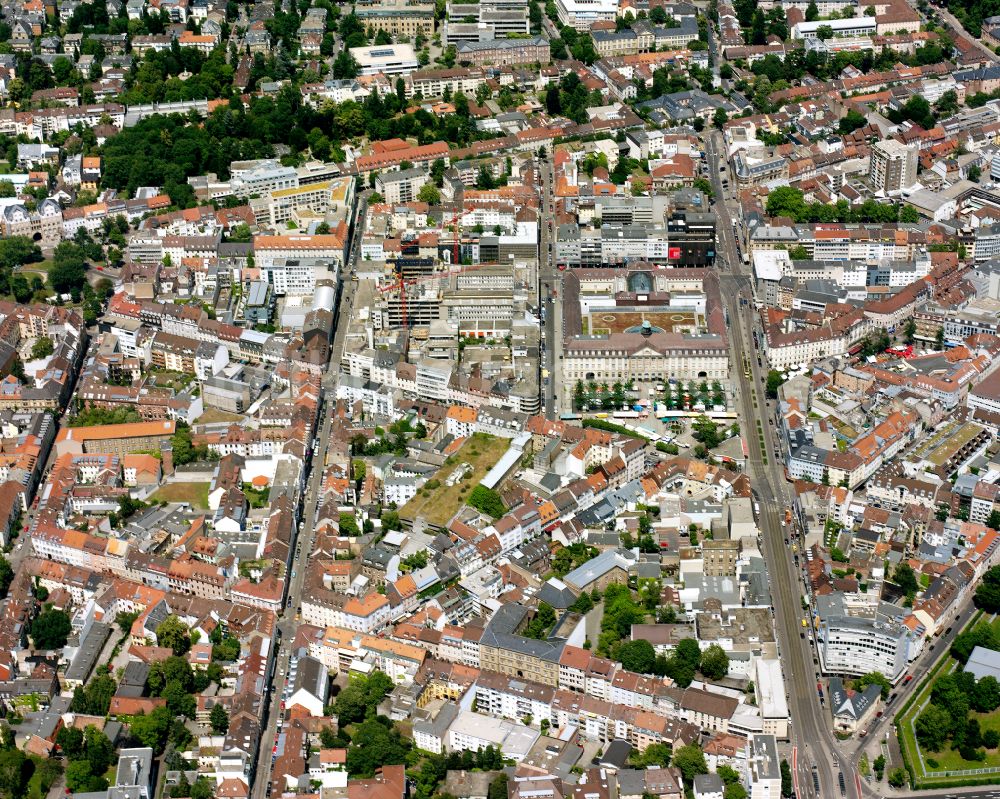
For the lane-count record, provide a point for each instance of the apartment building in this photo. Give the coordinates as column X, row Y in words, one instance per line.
column 892, row 166
column 401, row 186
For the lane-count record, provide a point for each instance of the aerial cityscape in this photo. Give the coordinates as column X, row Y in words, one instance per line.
column 500, row 399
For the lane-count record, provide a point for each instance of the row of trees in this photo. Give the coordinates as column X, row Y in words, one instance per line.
column 789, row 201
column 686, row 661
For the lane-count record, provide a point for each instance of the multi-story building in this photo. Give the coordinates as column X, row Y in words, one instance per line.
column 45, row 223
column 504, row 52
column 691, row 238
column 855, row 645
column 892, row 166
column 854, row 26
column 385, row 59
column 115, row 439
column 260, row 177
column 275, row 208
column 763, row 767
column 398, row 18
column 271, row 249
column 581, row 14
column 401, row 186
column 503, row 649
column 635, row 356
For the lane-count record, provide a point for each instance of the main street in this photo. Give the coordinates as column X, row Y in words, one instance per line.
column 810, row 733
column 548, row 280
column 304, row 538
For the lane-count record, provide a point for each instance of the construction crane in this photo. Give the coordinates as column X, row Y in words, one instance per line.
column 455, row 260
column 401, row 284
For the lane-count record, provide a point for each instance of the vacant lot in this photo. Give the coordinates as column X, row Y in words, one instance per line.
column 194, row 493
column 438, row 504
column 215, row 415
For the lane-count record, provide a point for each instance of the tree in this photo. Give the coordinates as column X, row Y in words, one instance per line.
column 974, row 173
column 774, row 381
column 375, row 743
column 932, row 728
column 812, row 11
column 173, row 634
column 17, row 251
column 70, row 741
column 873, row 678
column 151, row 730
column 714, row 662
column 583, row 604
column 985, row 698
column 498, row 788
column 706, row 431
column 878, row 766
column 345, row 65
column 720, row 117
column 824, row 32
column 904, row 577
column 219, row 719
column 98, row 749
column 988, row 591
column 657, row 755
column 179, row 700
column 81, row 779
column 361, row 696
column 95, row 698
column 786, row 774
column 909, row 331
column 735, row 791
column 637, row 656
column 487, row 501
column 691, row 761
column 42, row 347
column 6, row 576
column 898, row 777
column 851, row 121
column 50, row 629
column 967, row 640
column 993, row 521
column 429, row 194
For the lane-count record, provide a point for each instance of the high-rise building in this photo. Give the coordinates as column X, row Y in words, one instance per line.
column 893, row 166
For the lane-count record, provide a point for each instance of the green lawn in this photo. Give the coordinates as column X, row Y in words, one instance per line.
column 950, row 760
column 194, row 493
column 947, row 759
column 438, row 505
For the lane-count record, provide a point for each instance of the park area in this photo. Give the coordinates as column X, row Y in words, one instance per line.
column 441, row 497
column 195, row 494
column 943, row 764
